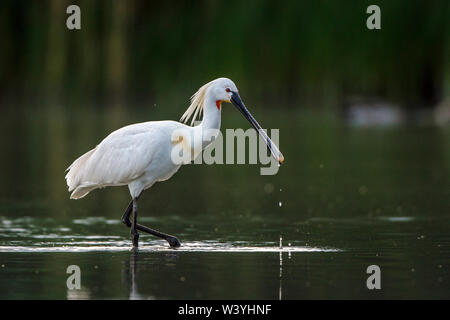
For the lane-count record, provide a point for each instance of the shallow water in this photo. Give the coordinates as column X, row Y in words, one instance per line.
column 351, row 197
column 320, row 258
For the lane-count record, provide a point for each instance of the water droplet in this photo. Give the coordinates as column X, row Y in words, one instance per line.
column 280, row 204
column 281, row 242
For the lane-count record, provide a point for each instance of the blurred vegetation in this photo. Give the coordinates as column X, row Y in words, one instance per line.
column 66, row 90
column 297, row 53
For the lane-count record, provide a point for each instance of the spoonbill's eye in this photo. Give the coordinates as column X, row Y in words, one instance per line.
column 227, row 89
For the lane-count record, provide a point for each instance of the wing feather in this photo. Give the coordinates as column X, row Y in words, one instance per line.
column 119, row 159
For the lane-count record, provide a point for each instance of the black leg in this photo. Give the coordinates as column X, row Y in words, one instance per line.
column 173, row 241
column 133, row 231
column 126, row 215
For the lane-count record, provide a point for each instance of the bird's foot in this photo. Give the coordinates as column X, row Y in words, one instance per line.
column 173, row 242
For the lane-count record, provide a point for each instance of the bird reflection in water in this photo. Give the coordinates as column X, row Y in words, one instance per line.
column 138, row 264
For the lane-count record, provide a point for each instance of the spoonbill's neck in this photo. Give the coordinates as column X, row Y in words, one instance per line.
column 210, row 126
column 211, row 113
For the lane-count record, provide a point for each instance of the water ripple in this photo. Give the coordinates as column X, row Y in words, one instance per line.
column 194, row 246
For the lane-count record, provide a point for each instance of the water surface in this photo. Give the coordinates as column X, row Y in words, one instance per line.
column 351, row 197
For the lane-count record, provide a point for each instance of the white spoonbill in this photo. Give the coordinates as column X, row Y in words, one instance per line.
column 140, row 154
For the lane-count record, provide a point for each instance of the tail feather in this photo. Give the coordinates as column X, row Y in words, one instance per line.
column 82, row 191
column 74, row 177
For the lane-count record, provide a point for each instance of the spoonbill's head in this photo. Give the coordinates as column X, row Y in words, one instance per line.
column 224, row 90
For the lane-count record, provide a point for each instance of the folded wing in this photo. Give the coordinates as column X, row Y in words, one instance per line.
column 119, row 159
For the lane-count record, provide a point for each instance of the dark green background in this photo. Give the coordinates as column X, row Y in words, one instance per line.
column 380, row 194
column 294, row 53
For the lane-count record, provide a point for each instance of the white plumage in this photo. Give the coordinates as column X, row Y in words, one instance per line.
column 130, row 156
column 139, row 155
